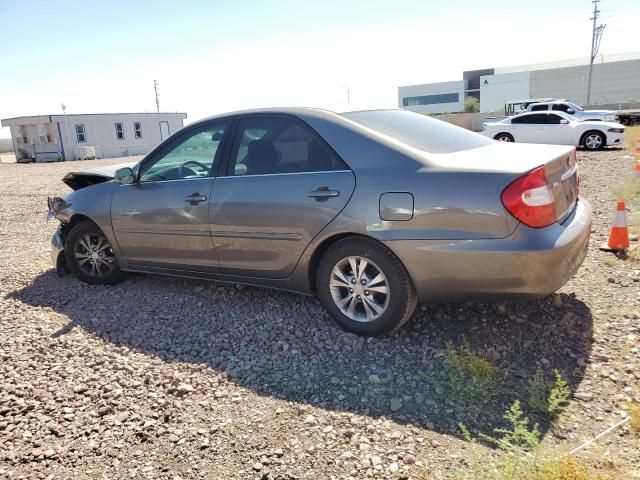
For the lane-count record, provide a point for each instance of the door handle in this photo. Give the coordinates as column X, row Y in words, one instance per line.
column 195, row 198
column 322, row 194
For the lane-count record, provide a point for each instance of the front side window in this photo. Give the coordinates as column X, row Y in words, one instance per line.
column 560, row 107
column 192, row 156
column 81, row 136
column 553, row 119
column 137, row 130
column 276, row 145
column 119, row 131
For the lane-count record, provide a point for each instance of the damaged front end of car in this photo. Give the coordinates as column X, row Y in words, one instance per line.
column 58, row 208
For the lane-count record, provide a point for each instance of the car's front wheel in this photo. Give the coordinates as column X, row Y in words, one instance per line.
column 593, row 140
column 90, row 256
column 364, row 287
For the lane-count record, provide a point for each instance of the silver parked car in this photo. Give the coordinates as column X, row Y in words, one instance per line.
column 371, row 211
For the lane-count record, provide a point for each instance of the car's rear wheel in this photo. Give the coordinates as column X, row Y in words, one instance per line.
column 504, row 137
column 593, row 140
column 364, row 287
column 90, row 256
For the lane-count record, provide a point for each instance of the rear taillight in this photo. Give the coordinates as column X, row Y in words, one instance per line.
column 530, row 200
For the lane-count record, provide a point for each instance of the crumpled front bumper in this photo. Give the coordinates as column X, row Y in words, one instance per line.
column 57, row 252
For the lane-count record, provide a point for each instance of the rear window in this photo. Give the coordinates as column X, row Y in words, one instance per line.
column 419, row 131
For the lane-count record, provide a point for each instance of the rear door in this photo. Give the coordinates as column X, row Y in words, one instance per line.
column 283, row 185
column 528, row 128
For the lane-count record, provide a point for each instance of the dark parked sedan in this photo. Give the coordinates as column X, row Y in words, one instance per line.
column 371, row 211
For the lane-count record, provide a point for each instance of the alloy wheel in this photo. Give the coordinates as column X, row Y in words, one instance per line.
column 94, row 255
column 504, row 138
column 593, row 141
column 359, row 289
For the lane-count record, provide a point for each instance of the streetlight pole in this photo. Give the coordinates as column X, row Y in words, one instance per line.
column 596, row 36
column 155, row 87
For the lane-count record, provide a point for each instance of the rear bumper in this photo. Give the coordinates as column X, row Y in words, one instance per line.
column 529, row 263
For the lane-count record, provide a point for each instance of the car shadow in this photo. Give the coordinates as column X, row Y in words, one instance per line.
column 283, row 345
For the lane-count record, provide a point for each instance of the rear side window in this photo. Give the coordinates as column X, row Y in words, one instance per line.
column 276, row 145
column 539, row 108
column 538, row 118
column 419, row 131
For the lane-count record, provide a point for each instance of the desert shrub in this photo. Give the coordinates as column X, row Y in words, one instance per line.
column 552, row 400
column 471, row 105
column 469, row 378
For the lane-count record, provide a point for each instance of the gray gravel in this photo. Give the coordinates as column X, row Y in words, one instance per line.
column 171, row 378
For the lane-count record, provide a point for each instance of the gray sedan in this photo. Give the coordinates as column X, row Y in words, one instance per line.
column 371, row 211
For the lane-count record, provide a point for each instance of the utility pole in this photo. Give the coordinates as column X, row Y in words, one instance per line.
column 155, row 87
column 596, row 36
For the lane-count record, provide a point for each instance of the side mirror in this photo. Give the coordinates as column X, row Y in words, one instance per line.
column 570, row 111
column 123, row 176
column 564, row 121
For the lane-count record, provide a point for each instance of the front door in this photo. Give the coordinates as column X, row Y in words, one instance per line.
column 283, row 185
column 164, row 130
column 162, row 220
column 556, row 132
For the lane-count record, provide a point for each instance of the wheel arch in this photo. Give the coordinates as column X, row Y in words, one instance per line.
column 320, row 250
column 593, row 130
column 495, row 137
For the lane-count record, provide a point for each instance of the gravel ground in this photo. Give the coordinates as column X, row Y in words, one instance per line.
column 170, row 378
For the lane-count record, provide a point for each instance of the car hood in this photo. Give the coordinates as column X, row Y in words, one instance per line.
column 85, row 178
column 604, row 112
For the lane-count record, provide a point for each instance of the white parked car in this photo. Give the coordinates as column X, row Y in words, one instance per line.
column 574, row 110
column 555, row 128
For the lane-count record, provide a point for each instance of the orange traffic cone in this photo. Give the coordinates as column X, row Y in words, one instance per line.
column 619, row 237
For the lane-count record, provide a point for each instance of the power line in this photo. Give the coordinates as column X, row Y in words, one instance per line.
column 596, row 37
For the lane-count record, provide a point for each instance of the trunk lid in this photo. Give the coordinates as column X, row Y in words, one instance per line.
column 517, row 159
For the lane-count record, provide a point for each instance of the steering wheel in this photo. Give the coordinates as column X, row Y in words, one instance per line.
column 183, row 173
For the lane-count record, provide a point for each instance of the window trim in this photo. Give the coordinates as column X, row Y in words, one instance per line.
column 121, row 130
column 171, row 142
column 135, row 133
column 84, row 133
column 226, row 170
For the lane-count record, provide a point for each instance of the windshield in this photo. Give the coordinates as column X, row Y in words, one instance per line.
column 419, row 131
column 577, row 108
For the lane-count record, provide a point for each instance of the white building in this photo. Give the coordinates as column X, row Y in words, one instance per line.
column 616, row 79
column 101, row 135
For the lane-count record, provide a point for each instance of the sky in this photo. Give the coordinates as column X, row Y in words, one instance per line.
column 216, row 56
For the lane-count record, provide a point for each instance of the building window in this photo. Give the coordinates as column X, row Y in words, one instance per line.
column 431, row 99
column 137, row 129
column 19, row 139
column 43, row 138
column 24, row 140
column 80, row 133
column 119, row 131
column 48, row 138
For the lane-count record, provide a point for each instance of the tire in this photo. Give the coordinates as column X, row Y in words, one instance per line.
column 374, row 312
column 593, row 140
column 504, row 137
column 88, row 256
